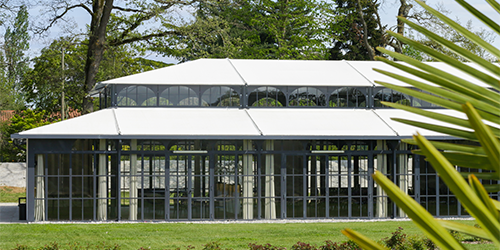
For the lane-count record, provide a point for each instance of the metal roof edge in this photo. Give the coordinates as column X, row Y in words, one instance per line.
column 225, row 137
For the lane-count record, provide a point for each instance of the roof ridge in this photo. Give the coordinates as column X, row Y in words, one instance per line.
column 116, row 121
column 254, row 123
column 237, row 72
column 359, row 72
column 382, row 119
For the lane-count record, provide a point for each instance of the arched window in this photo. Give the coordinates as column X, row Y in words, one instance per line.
column 307, row 96
column 266, row 97
column 136, row 96
column 347, row 97
column 389, row 95
column 179, row 96
column 221, row 96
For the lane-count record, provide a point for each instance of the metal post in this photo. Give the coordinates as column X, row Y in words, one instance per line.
column 62, row 97
column 133, row 182
column 247, row 181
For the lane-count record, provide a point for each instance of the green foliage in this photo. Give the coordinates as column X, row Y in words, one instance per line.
column 349, row 30
column 257, row 29
column 14, row 62
column 21, row 121
column 43, row 85
column 255, row 246
column 71, row 246
column 214, row 245
column 478, row 104
column 437, row 26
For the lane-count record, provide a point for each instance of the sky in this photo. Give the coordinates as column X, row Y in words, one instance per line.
column 388, row 14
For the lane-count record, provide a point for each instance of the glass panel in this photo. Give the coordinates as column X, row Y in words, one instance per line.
column 146, row 96
column 179, row 96
column 347, row 97
column 267, row 97
column 127, row 96
column 307, row 96
column 201, row 187
column 221, row 96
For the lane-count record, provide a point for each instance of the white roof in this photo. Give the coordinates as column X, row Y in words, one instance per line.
column 275, row 73
column 404, row 130
column 299, row 73
column 100, row 123
column 320, row 123
column 198, row 72
column 184, row 122
column 233, row 123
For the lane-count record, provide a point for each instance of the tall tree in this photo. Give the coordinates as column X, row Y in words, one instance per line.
column 357, row 31
column 282, row 29
column 15, row 59
column 43, row 85
column 136, row 22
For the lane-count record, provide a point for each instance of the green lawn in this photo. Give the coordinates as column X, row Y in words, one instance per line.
column 11, row 194
column 173, row 235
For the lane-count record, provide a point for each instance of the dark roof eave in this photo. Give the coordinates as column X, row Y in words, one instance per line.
column 226, row 137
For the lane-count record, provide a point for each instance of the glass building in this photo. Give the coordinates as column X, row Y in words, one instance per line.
column 224, row 139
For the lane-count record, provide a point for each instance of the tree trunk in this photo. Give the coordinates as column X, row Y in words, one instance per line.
column 97, row 41
column 404, row 10
column 368, row 47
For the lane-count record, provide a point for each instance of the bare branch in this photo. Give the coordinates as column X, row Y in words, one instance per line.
column 128, row 9
column 56, row 18
column 142, row 38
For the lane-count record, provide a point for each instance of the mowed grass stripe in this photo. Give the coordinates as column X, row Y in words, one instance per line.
column 181, row 235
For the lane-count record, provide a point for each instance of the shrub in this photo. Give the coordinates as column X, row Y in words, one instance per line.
column 214, row 245
column 303, row 246
column 255, row 246
column 347, row 245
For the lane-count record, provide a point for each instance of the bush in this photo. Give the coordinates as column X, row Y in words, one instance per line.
column 255, row 246
column 214, row 245
column 303, row 246
column 347, row 245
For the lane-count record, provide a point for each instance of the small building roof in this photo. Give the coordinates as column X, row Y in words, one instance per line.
column 198, row 72
column 253, row 123
column 232, row 72
column 234, row 123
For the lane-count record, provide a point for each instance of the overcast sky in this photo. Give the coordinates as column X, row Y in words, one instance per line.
column 388, row 14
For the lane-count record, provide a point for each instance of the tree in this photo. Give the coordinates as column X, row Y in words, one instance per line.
column 478, row 104
column 21, row 121
column 43, row 85
column 15, row 61
column 445, row 31
column 357, row 31
column 140, row 23
column 283, row 29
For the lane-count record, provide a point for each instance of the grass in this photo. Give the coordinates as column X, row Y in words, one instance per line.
column 11, row 194
column 182, row 235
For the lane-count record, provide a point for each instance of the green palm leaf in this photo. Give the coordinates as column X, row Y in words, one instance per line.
column 457, row 49
column 361, row 240
column 423, row 219
column 448, row 80
column 477, row 150
column 492, row 24
column 483, row 195
column 489, row 142
column 470, row 35
column 461, row 190
column 470, row 230
column 492, row 81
